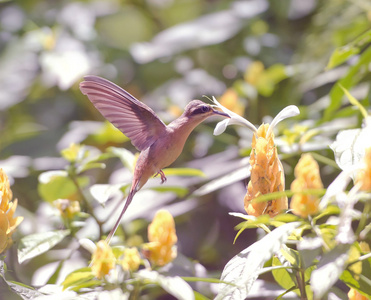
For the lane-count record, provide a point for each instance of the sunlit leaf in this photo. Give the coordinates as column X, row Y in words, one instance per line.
column 36, row 244
column 78, row 277
column 355, row 102
column 175, row 286
column 184, row 172
column 222, row 181
column 243, row 269
column 350, row 145
column 309, row 248
column 329, row 268
column 103, row 192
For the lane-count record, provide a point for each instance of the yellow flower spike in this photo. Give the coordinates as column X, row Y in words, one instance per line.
column 266, row 175
column 307, row 177
column 5, row 191
column 131, row 260
column 8, row 224
column 13, row 222
column 103, row 260
column 162, row 237
column 364, row 175
column 355, row 295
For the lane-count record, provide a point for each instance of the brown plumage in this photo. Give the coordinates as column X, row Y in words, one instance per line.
column 160, row 144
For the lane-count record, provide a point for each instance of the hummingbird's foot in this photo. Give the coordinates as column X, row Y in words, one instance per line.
column 163, row 177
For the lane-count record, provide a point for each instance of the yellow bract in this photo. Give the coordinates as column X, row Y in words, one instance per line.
column 8, row 224
column 131, row 260
column 364, row 175
column 267, row 175
column 355, row 295
column 162, row 237
column 307, row 177
column 103, row 260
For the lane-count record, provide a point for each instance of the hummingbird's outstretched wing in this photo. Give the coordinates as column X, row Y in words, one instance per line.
column 135, row 119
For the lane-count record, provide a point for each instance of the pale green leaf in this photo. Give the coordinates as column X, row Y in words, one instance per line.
column 342, row 54
column 55, row 185
column 350, row 146
column 77, row 277
column 127, row 158
column 354, row 102
column 243, row 269
column 329, row 269
column 38, row 243
column 282, row 276
column 103, row 192
column 175, row 286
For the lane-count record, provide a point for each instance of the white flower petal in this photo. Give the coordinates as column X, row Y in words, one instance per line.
column 287, row 112
column 221, row 127
column 88, row 245
column 234, row 120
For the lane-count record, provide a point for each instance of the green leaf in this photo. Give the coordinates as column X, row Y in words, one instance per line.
column 329, row 269
column 175, row 286
column 108, row 134
column 55, row 185
column 78, row 277
column 36, row 244
column 179, row 191
column 283, row 277
column 355, row 102
column 243, row 269
column 353, row 76
column 184, row 172
column 53, row 279
column 341, row 54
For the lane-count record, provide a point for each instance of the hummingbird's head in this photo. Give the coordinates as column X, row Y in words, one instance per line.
column 196, row 109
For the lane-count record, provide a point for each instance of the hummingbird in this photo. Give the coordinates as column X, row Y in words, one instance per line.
column 159, row 144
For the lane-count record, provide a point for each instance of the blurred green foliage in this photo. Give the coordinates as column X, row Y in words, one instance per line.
column 270, row 53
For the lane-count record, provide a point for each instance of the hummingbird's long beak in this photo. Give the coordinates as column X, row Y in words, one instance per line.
column 217, row 112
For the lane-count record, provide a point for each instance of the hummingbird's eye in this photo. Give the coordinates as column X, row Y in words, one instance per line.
column 205, row 108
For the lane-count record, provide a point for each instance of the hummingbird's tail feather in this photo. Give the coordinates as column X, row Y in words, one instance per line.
column 132, row 192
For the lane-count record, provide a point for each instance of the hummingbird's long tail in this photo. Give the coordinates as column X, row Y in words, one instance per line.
column 132, row 192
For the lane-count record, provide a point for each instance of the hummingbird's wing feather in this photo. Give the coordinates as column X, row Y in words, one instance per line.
column 135, row 119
